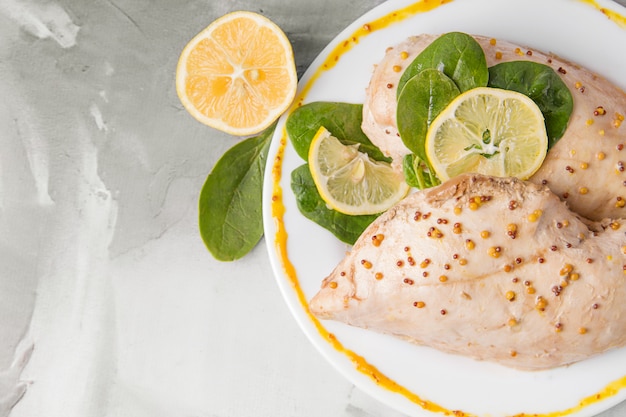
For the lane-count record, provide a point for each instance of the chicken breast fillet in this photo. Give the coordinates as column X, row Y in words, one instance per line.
column 493, row 268
column 585, row 168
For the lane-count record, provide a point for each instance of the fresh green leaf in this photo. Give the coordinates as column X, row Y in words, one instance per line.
column 423, row 97
column 457, row 55
column 342, row 120
column 418, row 173
column 345, row 227
column 543, row 85
column 230, row 204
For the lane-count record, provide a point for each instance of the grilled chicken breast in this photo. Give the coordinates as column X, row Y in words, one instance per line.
column 493, row 268
column 585, row 168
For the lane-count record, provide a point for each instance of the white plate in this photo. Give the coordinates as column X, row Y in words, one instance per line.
column 576, row 30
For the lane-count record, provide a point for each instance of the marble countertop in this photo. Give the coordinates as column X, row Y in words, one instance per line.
column 110, row 303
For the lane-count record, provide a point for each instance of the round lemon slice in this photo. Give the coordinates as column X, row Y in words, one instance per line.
column 488, row 131
column 349, row 181
column 238, row 75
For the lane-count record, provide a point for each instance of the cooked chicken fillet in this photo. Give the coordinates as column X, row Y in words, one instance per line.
column 585, row 168
column 494, row 268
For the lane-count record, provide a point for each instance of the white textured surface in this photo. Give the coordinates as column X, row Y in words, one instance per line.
column 109, row 303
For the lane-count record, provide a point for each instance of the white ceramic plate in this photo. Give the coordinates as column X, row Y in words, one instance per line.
column 580, row 31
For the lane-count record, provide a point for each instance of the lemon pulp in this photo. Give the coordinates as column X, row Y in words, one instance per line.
column 349, row 181
column 238, row 75
column 488, row 131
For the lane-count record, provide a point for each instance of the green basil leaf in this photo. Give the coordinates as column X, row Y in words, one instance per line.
column 423, row 97
column 345, row 227
column 342, row 120
column 543, row 85
column 457, row 55
column 230, row 203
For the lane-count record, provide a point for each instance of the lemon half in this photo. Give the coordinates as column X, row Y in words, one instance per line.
column 488, row 131
column 238, row 75
column 349, row 181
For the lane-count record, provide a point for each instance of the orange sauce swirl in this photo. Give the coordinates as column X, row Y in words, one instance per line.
column 281, row 235
column 612, row 15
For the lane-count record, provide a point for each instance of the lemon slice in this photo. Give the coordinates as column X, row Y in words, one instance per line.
column 488, row 131
column 349, row 181
column 238, row 75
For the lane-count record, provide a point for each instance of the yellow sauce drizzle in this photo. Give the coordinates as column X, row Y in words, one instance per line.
column 612, row 15
column 281, row 236
column 365, row 30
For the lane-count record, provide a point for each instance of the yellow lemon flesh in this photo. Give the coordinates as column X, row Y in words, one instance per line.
column 488, row 131
column 238, row 75
column 349, row 181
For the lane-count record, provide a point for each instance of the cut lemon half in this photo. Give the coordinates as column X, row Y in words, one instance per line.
column 488, row 131
column 238, row 75
column 349, row 181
